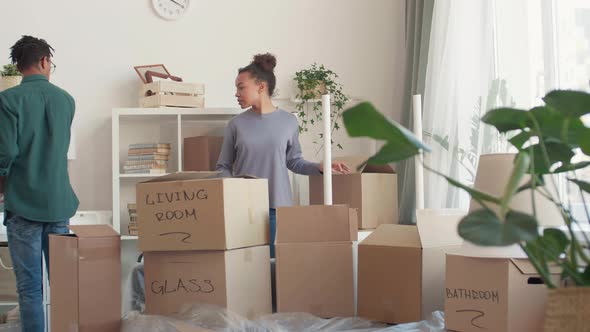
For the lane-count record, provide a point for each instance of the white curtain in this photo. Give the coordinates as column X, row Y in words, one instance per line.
column 485, row 54
column 458, row 80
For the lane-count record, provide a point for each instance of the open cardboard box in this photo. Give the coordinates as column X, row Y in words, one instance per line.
column 372, row 190
column 199, row 211
column 401, row 267
column 493, row 289
column 314, row 271
column 85, row 278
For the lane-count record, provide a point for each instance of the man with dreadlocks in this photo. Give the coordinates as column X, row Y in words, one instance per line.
column 35, row 121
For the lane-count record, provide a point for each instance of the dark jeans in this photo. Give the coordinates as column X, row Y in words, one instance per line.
column 28, row 241
column 273, row 231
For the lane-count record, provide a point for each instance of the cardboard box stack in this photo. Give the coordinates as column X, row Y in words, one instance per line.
column 85, row 278
column 147, row 158
column 205, row 240
column 493, row 290
column 201, row 153
column 132, row 227
column 314, row 260
column 372, row 190
column 401, row 268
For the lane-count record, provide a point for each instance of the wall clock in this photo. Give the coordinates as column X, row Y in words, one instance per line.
column 171, row 9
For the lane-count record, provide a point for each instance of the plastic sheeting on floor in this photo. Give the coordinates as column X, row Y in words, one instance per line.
column 10, row 327
column 200, row 318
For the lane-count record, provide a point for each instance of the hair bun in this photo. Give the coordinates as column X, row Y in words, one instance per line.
column 267, row 61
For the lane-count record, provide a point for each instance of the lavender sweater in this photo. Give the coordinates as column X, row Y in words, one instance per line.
column 266, row 146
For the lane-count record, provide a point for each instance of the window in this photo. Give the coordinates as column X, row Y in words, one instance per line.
column 487, row 54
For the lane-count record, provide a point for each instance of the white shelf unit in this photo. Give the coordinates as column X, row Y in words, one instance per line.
column 151, row 125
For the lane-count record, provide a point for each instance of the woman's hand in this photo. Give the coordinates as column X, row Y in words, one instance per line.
column 337, row 166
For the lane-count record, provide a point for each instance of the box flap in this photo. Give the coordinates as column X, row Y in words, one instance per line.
column 194, row 175
column 526, row 267
column 89, row 231
column 438, row 228
column 394, row 236
column 355, row 163
column 358, row 164
column 383, row 169
column 184, row 176
column 316, row 223
column 469, row 249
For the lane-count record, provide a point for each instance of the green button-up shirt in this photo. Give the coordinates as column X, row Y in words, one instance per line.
column 35, row 121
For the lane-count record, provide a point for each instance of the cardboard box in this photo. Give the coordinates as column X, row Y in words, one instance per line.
column 85, row 278
column 372, row 190
column 8, row 291
column 201, row 153
column 493, row 294
column 401, row 268
column 314, row 258
column 198, row 211
column 238, row 280
column 172, row 94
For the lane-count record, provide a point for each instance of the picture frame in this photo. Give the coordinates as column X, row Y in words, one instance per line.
column 158, row 68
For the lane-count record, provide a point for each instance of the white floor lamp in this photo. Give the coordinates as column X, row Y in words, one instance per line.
column 419, row 170
column 327, row 149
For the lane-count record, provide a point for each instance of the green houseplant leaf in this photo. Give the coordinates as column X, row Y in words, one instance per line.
column 584, row 186
column 585, row 143
column 570, row 103
column 557, row 152
column 556, row 126
column 520, row 139
column 555, row 243
column 483, row 227
column 506, row 119
column 521, row 165
column 363, row 120
column 572, row 167
column 586, row 275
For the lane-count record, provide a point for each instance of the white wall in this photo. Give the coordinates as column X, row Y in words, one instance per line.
column 97, row 44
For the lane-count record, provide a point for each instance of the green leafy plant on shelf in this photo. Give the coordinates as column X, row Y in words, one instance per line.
column 312, row 83
column 10, row 70
column 547, row 138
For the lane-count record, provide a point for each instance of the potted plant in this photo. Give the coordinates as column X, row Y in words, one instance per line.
column 546, row 138
column 10, row 76
column 312, row 83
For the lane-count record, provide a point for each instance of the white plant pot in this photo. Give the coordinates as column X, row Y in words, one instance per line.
column 9, row 82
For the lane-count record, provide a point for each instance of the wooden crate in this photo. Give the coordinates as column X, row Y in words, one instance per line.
column 172, row 94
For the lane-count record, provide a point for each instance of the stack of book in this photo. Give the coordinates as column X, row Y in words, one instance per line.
column 132, row 228
column 147, row 158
